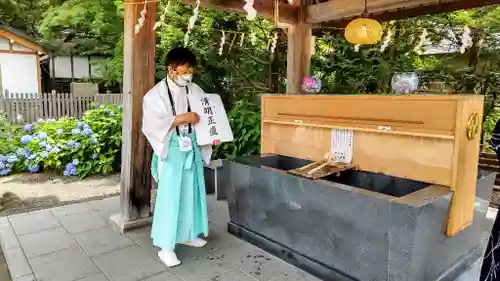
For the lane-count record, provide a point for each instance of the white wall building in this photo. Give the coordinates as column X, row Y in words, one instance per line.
column 19, row 62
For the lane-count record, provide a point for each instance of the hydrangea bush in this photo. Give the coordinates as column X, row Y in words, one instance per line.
column 74, row 147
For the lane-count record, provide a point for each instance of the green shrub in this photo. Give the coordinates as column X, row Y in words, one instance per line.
column 244, row 118
column 84, row 147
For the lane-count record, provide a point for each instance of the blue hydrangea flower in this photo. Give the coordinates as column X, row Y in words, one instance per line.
column 3, row 157
column 44, row 154
column 111, row 113
column 48, row 147
column 60, row 131
column 75, row 132
column 86, row 126
column 77, row 145
column 32, row 156
column 66, row 173
column 33, row 168
column 75, row 162
column 12, row 159
column 27, row 152
column 70, row 170
column 43, row 144
column 40, row 120
column 5, row 172
column 20, row 152
column 87, row 132
column 2, row 165
column 79, row 125
column 101, row 105
column 71, row 143
column 55, row 150
column 94, row 156
column 26, row 139
column 93, row 140
column 28, row 127
column 42, row 135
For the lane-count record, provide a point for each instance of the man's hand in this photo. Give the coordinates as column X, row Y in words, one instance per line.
column 191, row 117
column 216, row 142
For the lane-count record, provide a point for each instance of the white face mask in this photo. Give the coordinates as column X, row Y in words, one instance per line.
column 183, row 80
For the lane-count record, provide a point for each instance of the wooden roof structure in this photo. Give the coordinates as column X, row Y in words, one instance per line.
column 299, row 18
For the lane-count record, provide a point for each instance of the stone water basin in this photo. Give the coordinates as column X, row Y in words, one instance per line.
column 359, row 226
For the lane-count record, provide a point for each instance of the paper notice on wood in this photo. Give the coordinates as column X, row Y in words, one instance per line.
column 213, row 124
column 342, row 145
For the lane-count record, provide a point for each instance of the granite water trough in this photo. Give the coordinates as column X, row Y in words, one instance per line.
column 357, row 226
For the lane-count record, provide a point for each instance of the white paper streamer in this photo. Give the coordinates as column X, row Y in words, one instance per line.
column 222, row 42
column 274, row 42
column 356, row 48
column 466, row 39
column 242, row 39
column 141, row 20
column 386, row 42
column 191, row 22
column 251, row 12
column 418, row 48
column 162, row 17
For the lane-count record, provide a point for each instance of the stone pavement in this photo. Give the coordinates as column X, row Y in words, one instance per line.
column 75, row 242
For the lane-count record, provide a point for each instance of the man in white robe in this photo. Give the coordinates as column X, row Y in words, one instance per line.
column 180, row 214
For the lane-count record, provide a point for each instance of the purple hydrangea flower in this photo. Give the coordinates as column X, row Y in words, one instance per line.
column 26, row 139
column 42, row 135
column 60, row 131
column 93, row 140
column 5, row 172
column 43, row 144
column 87, row 132
column 75, row 132
column 86, row 126
column 70, row 170
column 28, row 127
column 33, row 168
column 2, row 165
column 55, row 150
column 66, row 173
column 27, row 152
column 12, row 159
column 77, row 145
column 79, row 125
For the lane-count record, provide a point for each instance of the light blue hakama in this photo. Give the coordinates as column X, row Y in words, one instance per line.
column 180, row 213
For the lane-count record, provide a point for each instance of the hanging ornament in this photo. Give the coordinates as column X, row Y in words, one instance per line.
column 222, row 42
column 363, row 31
column 162, row 17
column 251, row 12
column 141, row 20
column 386, row 42
column 242, row 38
column 274, row 42
column 418, row 48
column 191, row 22
column 466, row 39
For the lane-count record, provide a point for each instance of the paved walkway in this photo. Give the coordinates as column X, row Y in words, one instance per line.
column 75, row 242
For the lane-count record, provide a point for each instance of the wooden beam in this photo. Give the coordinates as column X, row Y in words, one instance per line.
column 339, row 12
column 19, row 52
column 265, row 8
column 300, row 45
column 20, row 40
column 138, row 77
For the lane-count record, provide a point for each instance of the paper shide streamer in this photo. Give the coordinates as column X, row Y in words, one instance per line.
column 466, row 39
column 222, row 42
column 251, row 12
column 418, row 48
column 387, row 40
column 192, row 21
column 162, row 16
column 274, row 42
column 141, row 20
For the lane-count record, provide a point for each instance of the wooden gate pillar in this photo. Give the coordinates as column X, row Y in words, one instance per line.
column 138, row 77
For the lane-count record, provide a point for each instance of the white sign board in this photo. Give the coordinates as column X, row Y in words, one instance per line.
column 213, row 125
column 341, row 146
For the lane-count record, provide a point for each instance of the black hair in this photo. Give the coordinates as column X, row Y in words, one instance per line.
column 180, row 56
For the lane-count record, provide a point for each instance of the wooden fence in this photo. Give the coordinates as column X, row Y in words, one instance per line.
column 23, row 108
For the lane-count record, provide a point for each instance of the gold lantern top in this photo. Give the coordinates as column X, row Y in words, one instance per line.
column 363, row 31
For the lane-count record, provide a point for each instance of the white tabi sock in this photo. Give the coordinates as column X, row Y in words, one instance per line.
column 169, row 258
column 197, row 243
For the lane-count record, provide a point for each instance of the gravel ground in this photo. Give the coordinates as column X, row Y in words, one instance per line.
column 29, row 192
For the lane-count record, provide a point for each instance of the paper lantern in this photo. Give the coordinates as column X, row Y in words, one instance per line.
column 363, row 31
